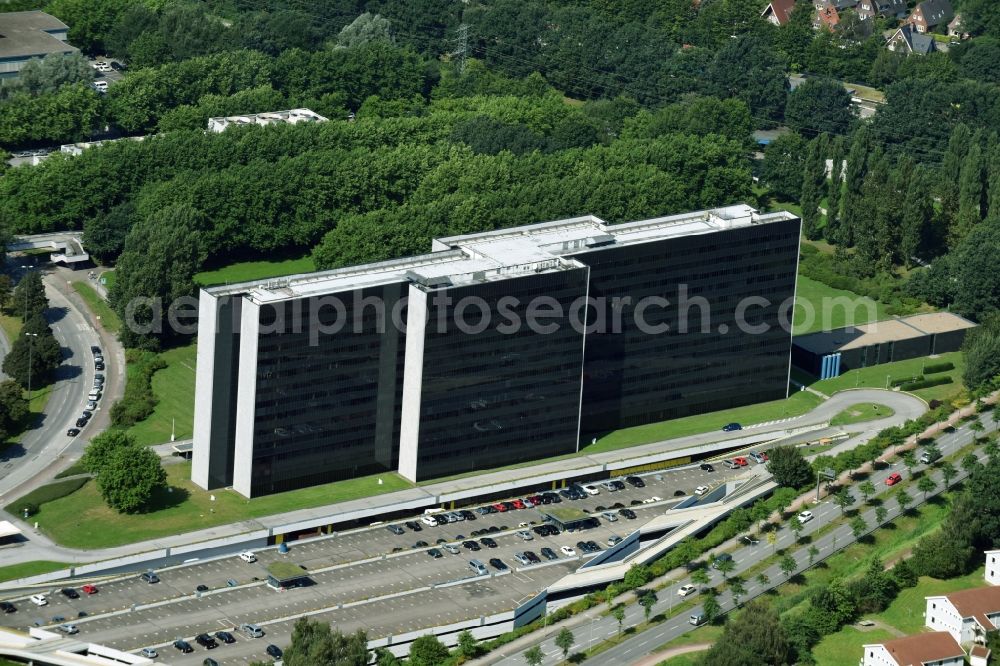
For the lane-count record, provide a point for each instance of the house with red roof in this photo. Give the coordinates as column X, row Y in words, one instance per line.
column 778, row 12
column 967, row 615
column 934, row 649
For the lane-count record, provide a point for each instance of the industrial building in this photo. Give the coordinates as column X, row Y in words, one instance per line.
column 28, row 35
column 493, row 349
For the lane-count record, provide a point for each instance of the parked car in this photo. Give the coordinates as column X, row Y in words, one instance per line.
column 251, row 630
column 498, row 564
column 610, row 516
column 488, row 542
column 627, row 513
column 614, row 540
column 685, row 590
column 749, row 540
column 732, row 427
column 149, row 653
column 429, row 521
column 532, row 557
column 206, row 641
column 549, row 554
column 81, row 423
column 719, row 559
column 39, row 600
column 435, row 553
column 568, row 551
column 183, row 646
column 893, row 479
column 225, row 637
column 635, row 481
column 452, row 548
column 414, row 526
column 273, row 651
column 701, row 490
column 525, row 535
column 591, row 490
column 421, row 544
column 149, row 577
column 471, row 545
column 248, row 556
column 706, row 467
column 805, row 517
column 522, row 559
column 89, row 589
column 7, row 607
column 72, row 432
column 741, row 461
column 652, row 500
column 118, row 66
column 70, row 593
column 730, row 464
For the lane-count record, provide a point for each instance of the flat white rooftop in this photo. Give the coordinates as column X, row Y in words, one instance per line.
column 501, row 254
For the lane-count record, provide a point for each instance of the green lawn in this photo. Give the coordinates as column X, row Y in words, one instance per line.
column 25, row 569
column 844, row 647
column 861, row 412
column 800, row 402
column 906, row 612
column 11, row 326
column 173, row 387
column 109, row 278
column 81, row 519
column 255, row 270
column 690, row 659
column 875, row 377
column 98, row 306
column 819, row 307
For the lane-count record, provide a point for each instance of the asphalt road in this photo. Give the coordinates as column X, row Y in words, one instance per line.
column 745, row 557
column 46, row 444
column 390, row 591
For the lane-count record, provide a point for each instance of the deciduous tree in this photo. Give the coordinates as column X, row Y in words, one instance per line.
column 129, row 478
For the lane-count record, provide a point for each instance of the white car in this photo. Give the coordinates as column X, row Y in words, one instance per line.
column 248, row 556
column 430, row 521
column 685, row 590
column 701, row 490
column 652, row 500
column 591, row 490
column 568, row 551
column 39, row 600
column 805, row 517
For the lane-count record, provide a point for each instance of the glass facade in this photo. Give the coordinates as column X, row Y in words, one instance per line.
column 633, row 377
column 499, row 396
column 328, row 409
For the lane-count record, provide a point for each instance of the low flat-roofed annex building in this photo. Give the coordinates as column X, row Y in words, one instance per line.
column 27, row 35
column 435, row 371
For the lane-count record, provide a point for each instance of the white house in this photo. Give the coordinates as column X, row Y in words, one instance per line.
column 993, row 567
column 935, row 649
column 966, row 615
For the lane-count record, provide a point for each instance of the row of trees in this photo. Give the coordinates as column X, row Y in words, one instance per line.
column 34, row 353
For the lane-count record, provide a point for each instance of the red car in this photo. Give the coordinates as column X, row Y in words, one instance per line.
column 741, row 461
column 893, row 479
column 518, row 504
column 500, row 507
column 89, row 589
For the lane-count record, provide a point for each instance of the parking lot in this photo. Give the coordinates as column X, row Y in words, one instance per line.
column 370, row 578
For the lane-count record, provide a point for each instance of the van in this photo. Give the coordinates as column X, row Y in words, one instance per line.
column 251, row 630
column 248, row 556
column 94, row 395
column 697, row 619
column 930, row 456
column 478, row 567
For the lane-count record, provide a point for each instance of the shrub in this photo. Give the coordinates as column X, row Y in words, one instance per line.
column 926, row 383
column 907, row 380
column 138, row 402
column 47, row 493
column 938, row 367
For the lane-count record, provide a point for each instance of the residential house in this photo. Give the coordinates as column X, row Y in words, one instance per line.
column 993, row 567
column 827, row 15
column 930, row 13
column 27, row 35
column 906, row 40
column 778, row 12
column 935, row 649
column 956, row 29
column 889, row 8
column 967, row 615
column 979, row 655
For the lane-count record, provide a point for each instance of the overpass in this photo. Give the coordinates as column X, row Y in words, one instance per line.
column 67, row 247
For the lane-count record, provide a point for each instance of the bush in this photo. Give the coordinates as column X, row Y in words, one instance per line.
column 138, row 402
column 926, row 383
column 907, row 380
column 47, row 493
column 938, row 367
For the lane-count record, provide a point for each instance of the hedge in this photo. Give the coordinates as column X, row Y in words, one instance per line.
column 938, row 367
column 46, row 493
column 138, row 401
column 926, row 383
column 907, row 380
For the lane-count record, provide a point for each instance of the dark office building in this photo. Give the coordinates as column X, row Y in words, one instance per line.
column 704, row 359
column 498, row 395
column 494, row 349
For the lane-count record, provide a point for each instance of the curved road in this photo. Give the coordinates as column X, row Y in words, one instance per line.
column 45, row 449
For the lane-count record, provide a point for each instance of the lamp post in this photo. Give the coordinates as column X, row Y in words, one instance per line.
column 29, row 336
